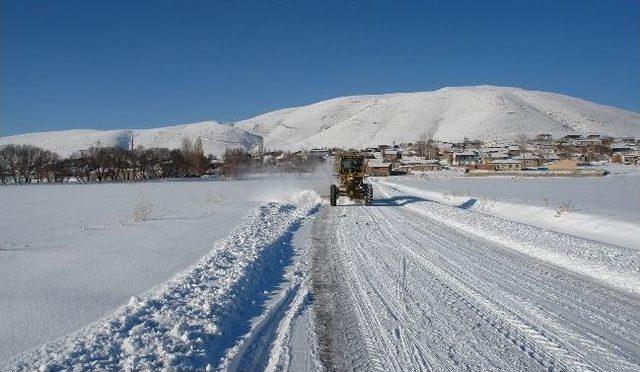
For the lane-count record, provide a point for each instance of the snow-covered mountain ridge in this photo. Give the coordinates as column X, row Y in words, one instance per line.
column 481, row 112
column 215, row 137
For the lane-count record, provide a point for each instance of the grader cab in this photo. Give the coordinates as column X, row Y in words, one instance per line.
column 351, row 172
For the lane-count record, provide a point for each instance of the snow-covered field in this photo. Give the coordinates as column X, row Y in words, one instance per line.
column 73, row 253
column 605, row 209
column 261, row 274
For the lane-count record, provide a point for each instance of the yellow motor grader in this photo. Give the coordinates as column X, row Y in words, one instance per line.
column 351, row 168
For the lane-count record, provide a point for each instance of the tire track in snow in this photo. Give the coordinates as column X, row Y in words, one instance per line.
column 343, row 345
column 468, row 303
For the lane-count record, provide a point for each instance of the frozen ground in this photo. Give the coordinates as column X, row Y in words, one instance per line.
column 606, row 209
column 71, row 254
column 406, row 284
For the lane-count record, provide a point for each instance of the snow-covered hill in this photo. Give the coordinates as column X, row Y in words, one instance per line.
column 483, row 112
column 215, row 137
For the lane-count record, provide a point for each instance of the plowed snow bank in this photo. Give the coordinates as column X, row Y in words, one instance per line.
column 190, row 321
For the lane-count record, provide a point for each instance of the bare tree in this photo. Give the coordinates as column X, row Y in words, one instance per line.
column 25, row 163
column 10, row 158
column 197, row 157
column 47, row 163
column 80, row 167
column 193, row 154
column 145, row 162
column 522, row 141
column 30, row 158
column 425, row 146
column 186, row 147
column 61, row 170
column 236, row 161
column 4, row 167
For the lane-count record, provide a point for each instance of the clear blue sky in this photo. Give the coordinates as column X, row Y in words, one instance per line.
column 136, row 64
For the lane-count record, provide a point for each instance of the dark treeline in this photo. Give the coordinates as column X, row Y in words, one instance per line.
column 28, row 164
column 32, row 164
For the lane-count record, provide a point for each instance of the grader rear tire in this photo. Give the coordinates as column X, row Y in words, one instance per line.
column 368, row 196
column 333, row 195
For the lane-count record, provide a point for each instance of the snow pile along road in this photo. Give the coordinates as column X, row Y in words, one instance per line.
column 614, row 265
column 620, row 227
column 191, row 321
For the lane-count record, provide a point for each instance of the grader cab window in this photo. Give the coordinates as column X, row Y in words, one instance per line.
column 351, row 165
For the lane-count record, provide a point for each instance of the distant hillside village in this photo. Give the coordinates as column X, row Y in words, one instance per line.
column 543, row 155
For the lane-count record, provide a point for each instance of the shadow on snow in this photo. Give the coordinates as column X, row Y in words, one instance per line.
column 468, row 204
column 397, row 201
column 251, row 293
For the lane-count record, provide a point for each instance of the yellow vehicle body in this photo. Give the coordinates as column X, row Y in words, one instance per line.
column 350, row 170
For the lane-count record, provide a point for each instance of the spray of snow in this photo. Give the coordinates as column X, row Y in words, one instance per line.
column 305, row 187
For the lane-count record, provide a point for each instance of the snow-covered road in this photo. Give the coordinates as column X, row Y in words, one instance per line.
column 399, row 289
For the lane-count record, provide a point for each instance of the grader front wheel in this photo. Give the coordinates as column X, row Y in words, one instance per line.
column 368, row 194
column 333, row 195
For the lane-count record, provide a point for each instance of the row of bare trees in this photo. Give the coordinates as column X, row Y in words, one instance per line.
column 28, row 164
column 426, row 146
column 24, row 163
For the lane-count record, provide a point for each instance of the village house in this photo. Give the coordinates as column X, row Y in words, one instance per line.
column 409, row 152
column 622, row 148
column 498, row 156
column 513, row 150
column 543, row 138
column 371, row 149
column 529, row 161
column 378, row 169
column 472, row 144
column 579, row 157
column 549, row 158
column 418, row 164
column 444, row 147
column 320, row 152
column 564, row 165
column 390, row 156
column 572, row 137
column 508, row 165
column 632, row 158
column 466, row 157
